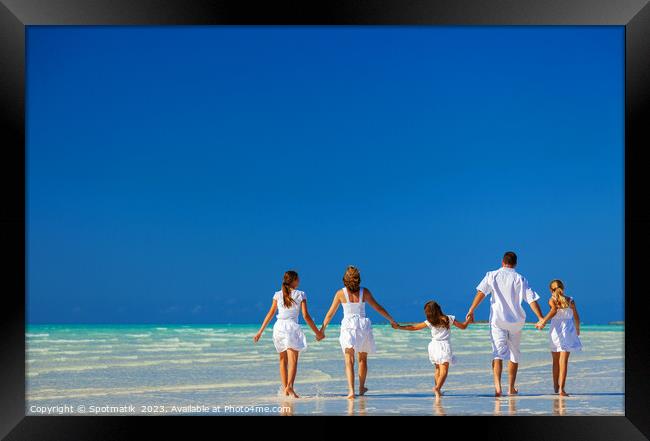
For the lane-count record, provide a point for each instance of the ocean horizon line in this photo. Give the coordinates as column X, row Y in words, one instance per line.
column 478, row 322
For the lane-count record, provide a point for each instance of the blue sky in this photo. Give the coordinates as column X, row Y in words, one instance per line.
column 175, row 173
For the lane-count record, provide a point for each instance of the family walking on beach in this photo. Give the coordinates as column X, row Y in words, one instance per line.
column 507, row 288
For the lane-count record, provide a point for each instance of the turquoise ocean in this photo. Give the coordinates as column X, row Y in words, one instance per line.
column 218, row 370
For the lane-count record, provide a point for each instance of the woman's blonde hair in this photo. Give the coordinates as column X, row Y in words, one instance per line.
column 352, row 278
column 558, row 293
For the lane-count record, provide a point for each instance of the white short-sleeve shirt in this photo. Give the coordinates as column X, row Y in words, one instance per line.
column 440, row 333
column 508, row 289
column 292, row 312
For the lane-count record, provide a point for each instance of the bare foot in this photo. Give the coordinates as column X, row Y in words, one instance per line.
column 363, row 390
column 556, row 388
column 513, row 391
column 437, row 392
column 350, row 395
column 290, row 392
column 497, row 391
column 563, row 394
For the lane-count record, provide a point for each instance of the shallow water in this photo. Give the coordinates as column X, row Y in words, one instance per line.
column 217, row 369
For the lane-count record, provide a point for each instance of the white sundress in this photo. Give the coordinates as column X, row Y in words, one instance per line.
column 287, row 333
column 562, row 335
column 356, row 329
column 440, row 344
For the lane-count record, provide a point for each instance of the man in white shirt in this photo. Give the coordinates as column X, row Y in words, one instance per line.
column 507, row 317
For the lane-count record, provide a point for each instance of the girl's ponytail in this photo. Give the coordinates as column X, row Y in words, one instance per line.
column 558, row 294
column 287, row 281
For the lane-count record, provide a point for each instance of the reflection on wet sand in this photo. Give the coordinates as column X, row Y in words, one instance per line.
column 286, row 408
column 437, row 407
column 510, row 401
column 360, row 403
column 559, row 405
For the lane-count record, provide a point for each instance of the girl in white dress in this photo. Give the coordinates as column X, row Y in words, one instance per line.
column 440, row 352
column 356, row 330
column 288, row 337
column 564, row 333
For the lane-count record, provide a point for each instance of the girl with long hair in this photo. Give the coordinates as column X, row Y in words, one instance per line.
column 564, row 333
column 288, row 337
column 440, row 352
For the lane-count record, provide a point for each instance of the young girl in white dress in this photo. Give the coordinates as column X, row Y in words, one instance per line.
column 564, row 333
column 356, row 330
column 440, row 352
column 288, row 337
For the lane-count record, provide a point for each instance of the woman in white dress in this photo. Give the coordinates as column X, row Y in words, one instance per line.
column 356, row 328
column 288, row 337
column 564, row 333
column 440, row 352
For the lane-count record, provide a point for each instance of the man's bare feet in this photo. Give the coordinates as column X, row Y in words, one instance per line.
column 363, row 390
column 350, row 395
column 497, row 391
column 290, row 392
column 437, row 392
column 563, row 394
column 556, row 388
column 513, row 391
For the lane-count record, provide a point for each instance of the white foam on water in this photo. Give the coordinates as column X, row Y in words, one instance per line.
column 224, row 355
column 173, row 344
column 70, row 369
column 85, row 340
column 169, row 349
column 135, row 365
column 93, row 358
column 79, row 352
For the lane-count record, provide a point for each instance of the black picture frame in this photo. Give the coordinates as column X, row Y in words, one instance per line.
column 15, row 15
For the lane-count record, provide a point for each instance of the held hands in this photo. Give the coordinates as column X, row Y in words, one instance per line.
column 540, row 324
column 321, row 334
column 394, row 324
column 469, row 318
